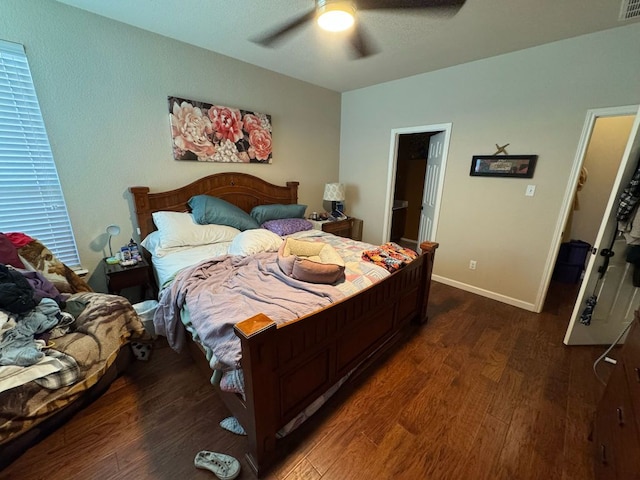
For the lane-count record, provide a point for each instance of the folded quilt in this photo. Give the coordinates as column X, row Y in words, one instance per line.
column 390, row 256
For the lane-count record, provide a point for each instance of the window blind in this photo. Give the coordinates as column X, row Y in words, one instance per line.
column 31, row 199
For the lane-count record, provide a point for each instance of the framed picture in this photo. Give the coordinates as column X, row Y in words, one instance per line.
column 515, row 166
column 207, row 132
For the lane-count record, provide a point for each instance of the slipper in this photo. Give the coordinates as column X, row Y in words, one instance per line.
column 232, row 424
column 225, row 467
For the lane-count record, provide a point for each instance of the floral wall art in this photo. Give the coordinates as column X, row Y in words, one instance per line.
column 214, row 133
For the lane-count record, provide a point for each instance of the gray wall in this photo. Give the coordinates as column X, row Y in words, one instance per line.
column 536, row 100
column 103, row 89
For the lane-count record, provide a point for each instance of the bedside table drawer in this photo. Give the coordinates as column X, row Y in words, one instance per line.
column 342, row 228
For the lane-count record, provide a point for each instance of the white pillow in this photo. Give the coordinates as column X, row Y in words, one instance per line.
column 179, row 229
column 152, row 244
column 254, row 241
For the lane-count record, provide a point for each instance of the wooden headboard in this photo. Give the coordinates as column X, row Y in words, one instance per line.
column 240, row 189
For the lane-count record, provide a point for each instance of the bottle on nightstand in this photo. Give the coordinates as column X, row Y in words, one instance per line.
column 133, row 250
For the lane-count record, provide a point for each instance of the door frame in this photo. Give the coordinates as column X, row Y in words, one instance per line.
column 393, row 165
column 572, row 185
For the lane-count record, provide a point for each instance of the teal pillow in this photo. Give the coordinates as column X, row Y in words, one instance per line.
column 264, row 213
column 212, row 210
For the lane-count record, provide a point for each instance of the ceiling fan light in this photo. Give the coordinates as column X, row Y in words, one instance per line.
column 336, row 16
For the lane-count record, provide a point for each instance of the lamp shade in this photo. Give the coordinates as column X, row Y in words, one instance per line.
column 334, row 192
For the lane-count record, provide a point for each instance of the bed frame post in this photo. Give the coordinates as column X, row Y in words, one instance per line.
column 142, row 209
column 429, row 251
column 262, row 396
column 293, row 191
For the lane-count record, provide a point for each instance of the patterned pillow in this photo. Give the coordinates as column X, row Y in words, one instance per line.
column 40, row 258
column 287, row 226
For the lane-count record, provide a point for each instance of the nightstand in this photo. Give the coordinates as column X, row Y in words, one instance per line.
column 341, row 228
column 119, row 277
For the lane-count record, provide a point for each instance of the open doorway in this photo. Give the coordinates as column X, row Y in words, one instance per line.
column 417, row 166
column 610, row 284
column 600, row 165
column 411, row 169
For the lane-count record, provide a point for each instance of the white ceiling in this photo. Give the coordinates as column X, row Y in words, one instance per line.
column 408, row 43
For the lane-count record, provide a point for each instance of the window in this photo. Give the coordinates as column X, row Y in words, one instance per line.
column 31, row 199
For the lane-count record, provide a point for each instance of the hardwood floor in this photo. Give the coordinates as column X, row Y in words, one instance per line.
column 484, row 390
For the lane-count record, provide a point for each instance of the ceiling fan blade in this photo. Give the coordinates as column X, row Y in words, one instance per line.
column 399, row 4
column 361, row 42
column 274, row 36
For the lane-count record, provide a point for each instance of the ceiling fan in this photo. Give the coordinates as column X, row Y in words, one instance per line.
column 339, row 15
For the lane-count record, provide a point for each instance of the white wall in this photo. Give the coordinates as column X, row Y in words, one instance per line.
column 536, row 100
column 103, row 89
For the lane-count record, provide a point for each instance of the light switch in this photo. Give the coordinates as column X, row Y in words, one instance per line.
column 531, row 190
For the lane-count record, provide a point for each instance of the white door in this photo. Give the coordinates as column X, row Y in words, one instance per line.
column 430, row 194
column 434, row 185
column 616, row 296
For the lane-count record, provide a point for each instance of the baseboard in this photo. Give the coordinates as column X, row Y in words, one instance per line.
column 485, row 293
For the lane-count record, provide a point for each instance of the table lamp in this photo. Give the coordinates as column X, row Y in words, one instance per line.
column 334, row 192
column 112, row 230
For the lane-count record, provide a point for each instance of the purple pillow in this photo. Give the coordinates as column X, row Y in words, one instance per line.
column 287, row 226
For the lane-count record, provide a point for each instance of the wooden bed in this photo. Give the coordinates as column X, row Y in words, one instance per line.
column 287, row 367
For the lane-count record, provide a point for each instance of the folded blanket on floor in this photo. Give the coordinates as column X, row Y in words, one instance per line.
column 390, row 256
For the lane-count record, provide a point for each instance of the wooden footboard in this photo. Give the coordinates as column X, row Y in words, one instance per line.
column 288, row 367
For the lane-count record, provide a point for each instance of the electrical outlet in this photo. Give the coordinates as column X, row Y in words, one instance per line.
column 472, row 264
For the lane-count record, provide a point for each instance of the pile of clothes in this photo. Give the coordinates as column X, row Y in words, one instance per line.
column 32, row 314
